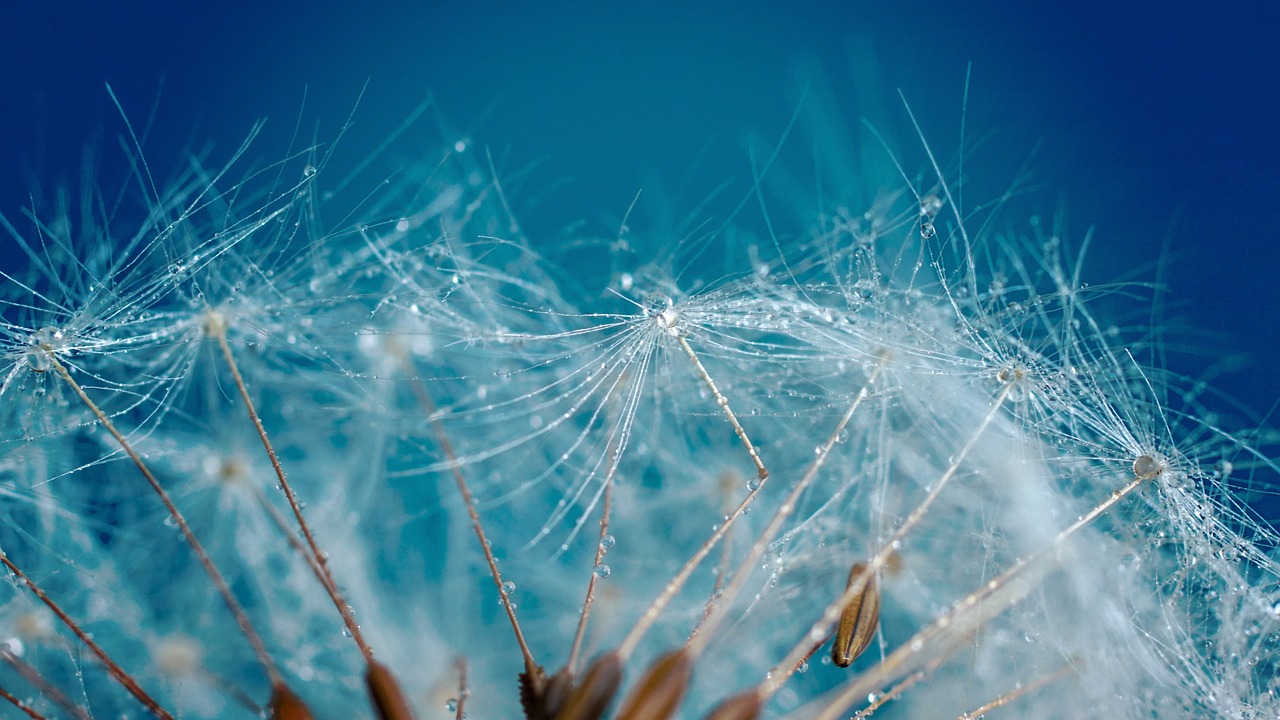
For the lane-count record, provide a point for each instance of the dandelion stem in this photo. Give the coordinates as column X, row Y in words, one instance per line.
column 31, row 713
column 728, row 483
column 1012, row 695
column 446, row 447
column 601, row 550
column 831, row 615
column 113, row 669
column 651, row 614
column 463, row 691
column 677, row 582
column 219, row 582
column 893, row 692
column 724, row 405
column 33, row 676
column 784, row 511
column 216, row 325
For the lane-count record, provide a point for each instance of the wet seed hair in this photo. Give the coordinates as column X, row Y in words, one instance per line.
column 899, row 434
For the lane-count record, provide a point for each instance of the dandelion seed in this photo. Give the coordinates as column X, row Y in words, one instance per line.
column 859, row 619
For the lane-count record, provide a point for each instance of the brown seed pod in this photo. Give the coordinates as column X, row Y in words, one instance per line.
column 657, row 695
column 287, row 706
column 590, row 698
column 859, row 619
column 743, row 706
column 388, row 700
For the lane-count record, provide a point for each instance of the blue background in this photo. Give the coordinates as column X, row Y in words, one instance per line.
column 1155, row 121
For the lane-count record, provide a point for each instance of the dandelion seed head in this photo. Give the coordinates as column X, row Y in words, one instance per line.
column 420, row 338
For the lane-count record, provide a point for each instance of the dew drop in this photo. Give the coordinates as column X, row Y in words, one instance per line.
column 608, row 541
column 508, row 587
column 451, row 705
column 602, row 570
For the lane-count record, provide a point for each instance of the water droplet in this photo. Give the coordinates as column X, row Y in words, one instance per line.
column 608, row 541
column 753, row 484
column 309, row 170
column 451, row 705
column 508, row 587
column 602, row 570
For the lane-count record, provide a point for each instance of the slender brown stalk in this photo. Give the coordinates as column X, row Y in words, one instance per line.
column 1012, row 695
column 782, row 671
column 601, row 551
column 113, row 669
column 882, row 699
column 215, row 325
column 33, row 676
column 534, row 671
column 232, row 691
column 966, row 617
column 723, row 402
column 669, row 320
column 784, row 511
column 728, row 484
column 30, row 711
column 219, row 582
column 464, row 691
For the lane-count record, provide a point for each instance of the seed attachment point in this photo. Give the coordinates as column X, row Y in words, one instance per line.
column 1147, row 467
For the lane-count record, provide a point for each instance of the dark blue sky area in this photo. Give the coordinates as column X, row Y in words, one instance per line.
column 1155, row 122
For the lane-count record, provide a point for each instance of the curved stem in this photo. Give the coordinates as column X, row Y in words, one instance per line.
column 219, row 582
